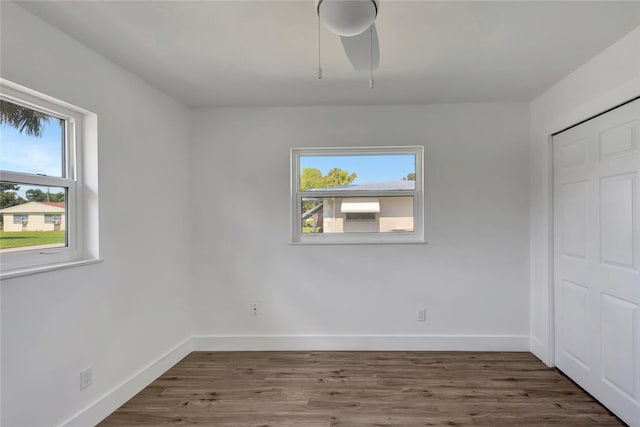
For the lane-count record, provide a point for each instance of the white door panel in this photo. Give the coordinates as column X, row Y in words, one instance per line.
column 617, row 197
column 573, row 198
column 597, row 257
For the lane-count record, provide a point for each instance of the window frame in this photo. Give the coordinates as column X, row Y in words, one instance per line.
column 296, row 196
column 80, row 133
column 50, row 218
column 22, row 220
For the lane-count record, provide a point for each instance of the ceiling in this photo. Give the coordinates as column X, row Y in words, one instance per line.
column 263, row 53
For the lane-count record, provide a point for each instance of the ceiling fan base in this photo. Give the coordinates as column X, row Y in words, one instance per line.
column 347, row 17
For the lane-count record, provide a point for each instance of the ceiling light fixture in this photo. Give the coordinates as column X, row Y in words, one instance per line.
column 347, row 18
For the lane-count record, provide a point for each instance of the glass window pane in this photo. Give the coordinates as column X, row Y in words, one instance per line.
column 358, row 172
column 32, row 217
column 30, row 141
column 357, row 214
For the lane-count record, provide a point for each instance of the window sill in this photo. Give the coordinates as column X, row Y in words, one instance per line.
column 27, row 271
column 372, row 242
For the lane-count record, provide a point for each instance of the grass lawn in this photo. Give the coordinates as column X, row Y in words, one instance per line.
column 18, row 239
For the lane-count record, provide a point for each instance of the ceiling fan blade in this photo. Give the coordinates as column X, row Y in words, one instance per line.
column 358, row 49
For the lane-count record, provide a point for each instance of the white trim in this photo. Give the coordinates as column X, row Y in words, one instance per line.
column 550, row 359
column 364, row 242
column 114, row 398
column 615, row 98
column 361, row 342
column 11, row 274
column 571, row 115
column 594, row 109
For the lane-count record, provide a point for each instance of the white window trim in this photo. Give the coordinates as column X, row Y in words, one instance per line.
column 408, row 237
column 80, row 177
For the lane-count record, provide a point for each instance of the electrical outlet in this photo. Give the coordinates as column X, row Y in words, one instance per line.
column 254, row 309
column 422, row 315
column 86, row 378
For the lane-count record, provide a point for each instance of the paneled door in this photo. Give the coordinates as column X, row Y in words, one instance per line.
column 596, row 169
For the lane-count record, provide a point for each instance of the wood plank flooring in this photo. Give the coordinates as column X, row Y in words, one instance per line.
column 331, row 389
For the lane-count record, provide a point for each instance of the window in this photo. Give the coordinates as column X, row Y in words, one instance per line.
column 20, row 219
column 52, row 218
column 48, row 165
column 357, row 195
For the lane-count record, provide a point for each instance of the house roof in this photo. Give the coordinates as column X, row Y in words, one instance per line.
column 374, row 186
column 56, row 204
column 36, row 207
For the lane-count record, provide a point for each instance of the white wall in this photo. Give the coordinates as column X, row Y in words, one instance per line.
column 607, row 80
column 123, row 314
column 472, row 276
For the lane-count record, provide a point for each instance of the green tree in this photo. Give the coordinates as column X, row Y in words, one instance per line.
column 56, row 197
column 8, row 186
column 410, row 177
column 24, row 119
column 339, row 178
column 37, row 195
column 8, row 195
column 311, row 178
column 10, row 198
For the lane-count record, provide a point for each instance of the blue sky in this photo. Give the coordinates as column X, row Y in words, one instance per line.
column 24, row 153
column 378, row 168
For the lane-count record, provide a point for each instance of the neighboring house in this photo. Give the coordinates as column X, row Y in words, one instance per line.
column 368, row 214
column 34, row 216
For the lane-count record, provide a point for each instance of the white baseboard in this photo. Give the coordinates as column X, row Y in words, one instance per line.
column 361, row 342
column 114, row 398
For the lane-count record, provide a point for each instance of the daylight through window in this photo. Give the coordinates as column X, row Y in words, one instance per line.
column 357, row 195
column 41, row 203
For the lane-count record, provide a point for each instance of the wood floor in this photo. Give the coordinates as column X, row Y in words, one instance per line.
column 407, row 389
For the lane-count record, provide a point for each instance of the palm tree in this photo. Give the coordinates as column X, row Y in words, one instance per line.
column 24, row 119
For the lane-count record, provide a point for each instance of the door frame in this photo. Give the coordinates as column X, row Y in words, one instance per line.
column 551, row 219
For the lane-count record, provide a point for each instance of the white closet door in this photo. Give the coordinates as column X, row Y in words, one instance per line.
column 597, row 257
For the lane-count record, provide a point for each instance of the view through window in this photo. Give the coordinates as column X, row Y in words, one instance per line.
column 33, row 154
column 364, row 193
